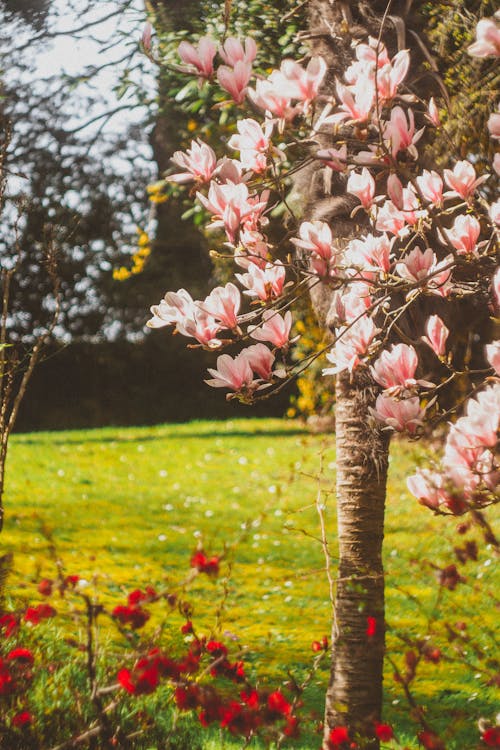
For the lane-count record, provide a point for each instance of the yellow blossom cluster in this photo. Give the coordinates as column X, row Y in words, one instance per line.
column 138, row 258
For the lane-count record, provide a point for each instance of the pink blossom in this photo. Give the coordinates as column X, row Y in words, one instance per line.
column 269, row 96
column 235, row 80
column 427, row 486
column 417, row 265
column 494, row 212
column 233, row 373
column 494, row 124
column 395, row 190
column 464, row 234
column 230, row 170
column 487, row 39
column 265, row 283
column 232, row 205
column 200, row 57
column 233, row 51
column 395, row 368
column 391, row 219
column 355, row 103
column 146, row 36
column 252, row 143
column 316, row 237
column 362, row 186
column 493, row 355
column 345, row 308
column 433, row 113
column 253, row 248
column 299, row 83
column 353, row 343
column 462, row 179
column 400, row 132
column 199, row 161
column 496, row 163
column 261, row 360
column 223, row 304
column 430, row 185
column 172, row 308
column 275, row 328
column 495, row 288
column 202, row 327
column 437, row 334
column 389, row 76
column 371, row 253
column 402, row 415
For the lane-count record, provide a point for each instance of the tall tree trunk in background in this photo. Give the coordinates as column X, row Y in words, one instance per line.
column 179, row 245
column 354, row 696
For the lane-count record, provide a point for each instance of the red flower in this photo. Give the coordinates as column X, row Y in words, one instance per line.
column 187, row 697
column 39, row 613
column 251, row 699
column 22, row 719
column 21, row 654
column 491, row 737
column 9, row 624
column 449, row 577
column 45, row 586
column 7, row 684
column 138, row 596
column 384, row 732
column 71, row 581
column 187, row 627
column 433, row 655
column 136, row 617
column 292, row 727
column 320, row 645
column 338, row 736
column 216, row 649
column 371, row 627
column 201, row 562
column 277, row 703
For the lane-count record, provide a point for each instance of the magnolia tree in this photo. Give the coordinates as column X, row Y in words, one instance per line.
column 395, row 257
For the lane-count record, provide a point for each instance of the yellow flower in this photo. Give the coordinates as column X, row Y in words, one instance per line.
column 192, row 125
column 121, row 274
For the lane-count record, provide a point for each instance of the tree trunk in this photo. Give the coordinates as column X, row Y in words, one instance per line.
column 354, row 696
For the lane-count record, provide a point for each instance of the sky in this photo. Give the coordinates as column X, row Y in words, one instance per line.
column 103, row 46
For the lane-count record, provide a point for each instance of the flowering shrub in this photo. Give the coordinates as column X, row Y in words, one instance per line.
column 428, row 236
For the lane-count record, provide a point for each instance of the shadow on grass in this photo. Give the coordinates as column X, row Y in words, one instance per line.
column 31, row 439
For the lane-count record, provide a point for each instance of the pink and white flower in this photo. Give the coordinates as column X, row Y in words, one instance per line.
column 464, row 234
column 316, row 237
column 428, row 487
column 233, row 51
column 235, row 80
column 487, row 39
column 371, row 253
column 200, row 57
column 233, row 373
column 252, row 142
column 261, row 360
column 402, row 415
column 363, row 187
column 400, row 132
column 269, row 96
column 437, row 334
column 275, row 328
column 199, row 163
column 301, row 83
column 265, row 283
column 352, row 344
column 462, row 180
column 430, row 185
column 494, row 124
column 173, row 307
column 493, row 355
column 223, row 304
column 395, row 368
column 334, row 158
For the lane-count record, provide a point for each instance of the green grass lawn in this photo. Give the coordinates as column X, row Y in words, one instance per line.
column 128, row 506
